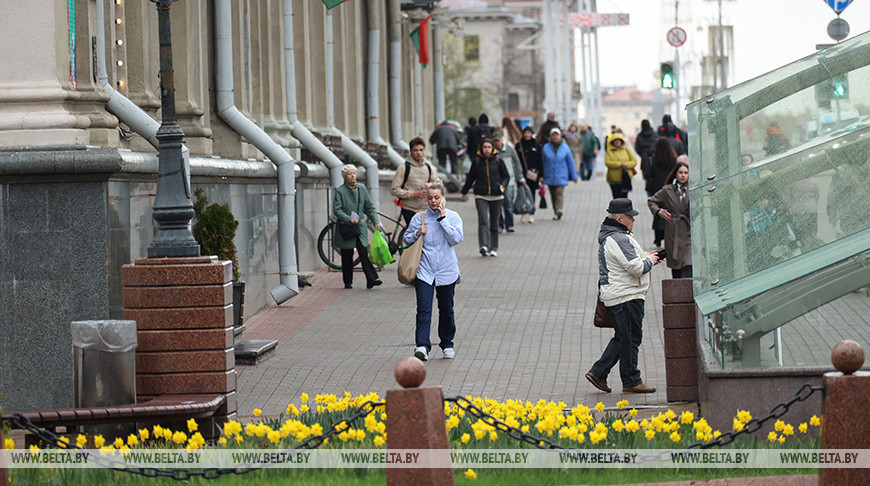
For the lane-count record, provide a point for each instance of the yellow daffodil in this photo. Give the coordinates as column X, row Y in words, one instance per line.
column 99, row 441
column 132, row 440
column 803, row 428
column 157, row 431
column 622, row 404
column 240, row 439
column 379, row 440
column 465, row 438
column 815, row 421
column 744, row 416
column 81, row 440
column 107, row 451
column 257, row 412
column 222, row 441
column 452, row 422
column 525, row 429
column 493, row 435
column 179, row 437
column 633, row 412
column 118, row 442
column 737, row 424
column 274, row 436
column 144, row 434
column 599, row 406
column 670, row 414
column 687, row 417
column 232, row 428
column 778, row 425
column 303, row 398
column 788, row 429
column 618, row 425
column 782, row 439
column 63, row 442
column 675, row 437
column 771, row 436
column 632, row 426
column 34, row 448
column 470, row 474
column 650, row 434
column 10, row 444
column 167, row 434
column 304, row 408
column 192, row 425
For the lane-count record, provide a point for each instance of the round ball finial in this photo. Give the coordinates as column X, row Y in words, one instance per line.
column 847, row 357
column 410, row 372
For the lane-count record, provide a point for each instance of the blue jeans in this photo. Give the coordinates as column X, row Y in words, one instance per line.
column 446, row 323
column 586, row 167
column 627, row 335
column 506, row 219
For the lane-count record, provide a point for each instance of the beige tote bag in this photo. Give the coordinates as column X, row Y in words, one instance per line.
column 409, row 261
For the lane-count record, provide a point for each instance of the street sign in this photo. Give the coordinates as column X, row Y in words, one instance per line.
column 838, row 29
column 676, row 37
column 838, row 5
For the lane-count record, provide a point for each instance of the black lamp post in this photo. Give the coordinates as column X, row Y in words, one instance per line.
column 172, row 209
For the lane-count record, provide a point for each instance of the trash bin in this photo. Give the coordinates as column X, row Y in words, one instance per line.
column 104, row 354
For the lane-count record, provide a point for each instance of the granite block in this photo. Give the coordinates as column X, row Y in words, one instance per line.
column 181, row 296
column 681, row 393
column 181, row 317
column 188, row 340
column 677, row 291
column 679, row 316
column 681, row 371
column 186, row 383
column 177, row 260
column 680, row 343
column 846, row 402
column 152, row 275
column 184, row 361
column 417, row 421
column 230, row 406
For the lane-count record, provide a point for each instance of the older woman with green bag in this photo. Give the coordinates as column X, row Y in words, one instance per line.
column 352, row 200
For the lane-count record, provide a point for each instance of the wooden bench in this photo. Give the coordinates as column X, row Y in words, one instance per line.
column 162, row 410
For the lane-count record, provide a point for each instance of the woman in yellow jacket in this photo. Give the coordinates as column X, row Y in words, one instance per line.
column 620, row 161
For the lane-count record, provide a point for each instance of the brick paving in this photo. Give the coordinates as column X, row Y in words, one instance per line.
column 524, row 321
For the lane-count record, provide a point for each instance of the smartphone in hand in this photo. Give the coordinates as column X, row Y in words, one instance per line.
column 661, row 254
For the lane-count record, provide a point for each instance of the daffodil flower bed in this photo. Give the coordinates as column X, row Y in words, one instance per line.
column 579, row 427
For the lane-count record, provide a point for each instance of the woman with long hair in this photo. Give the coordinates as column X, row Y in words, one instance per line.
column 530, row 156
column 662, row 162
column 671, row 204
column 510, row 129
column 489, row 177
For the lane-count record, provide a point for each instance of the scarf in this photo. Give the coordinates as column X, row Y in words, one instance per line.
column 351, row 185
column 681, row 189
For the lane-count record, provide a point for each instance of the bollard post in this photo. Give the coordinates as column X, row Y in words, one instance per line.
column 415, row 420
column 4, row 474
column 844, row 403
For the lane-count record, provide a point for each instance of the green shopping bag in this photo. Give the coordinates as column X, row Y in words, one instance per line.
column 379, row 251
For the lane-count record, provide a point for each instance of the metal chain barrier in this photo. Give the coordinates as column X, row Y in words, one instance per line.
column 755, row 424
column 512, row 432
column 21, row 422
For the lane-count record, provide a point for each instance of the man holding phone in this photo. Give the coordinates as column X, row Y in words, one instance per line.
column 623, row 281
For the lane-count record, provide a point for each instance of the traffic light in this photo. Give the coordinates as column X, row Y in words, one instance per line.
column 667, row 72
column 840, row 86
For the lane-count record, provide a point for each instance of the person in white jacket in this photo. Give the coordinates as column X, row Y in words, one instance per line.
column 623, row 281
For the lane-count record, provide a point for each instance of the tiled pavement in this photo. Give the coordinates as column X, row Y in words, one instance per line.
column 524, row 321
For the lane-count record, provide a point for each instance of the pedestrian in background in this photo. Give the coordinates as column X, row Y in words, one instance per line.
column 546, row 128
column 510, row 131
column 662, row 162
column 412, row 179
column 671, row 204
column 350, row 203
column 623, row 281
column 489, row 177
column 558, row 166
column 530, row 156
column 472, row 137
column 446, row 140
column 511, row 160
column 643, row 147
column 620, row 162
column 591, row 146
column 572, row 138
column 438, row 272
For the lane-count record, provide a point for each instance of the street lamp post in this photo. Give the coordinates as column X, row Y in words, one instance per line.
column 172, row 209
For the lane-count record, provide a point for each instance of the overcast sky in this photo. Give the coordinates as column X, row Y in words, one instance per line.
column 767, row 34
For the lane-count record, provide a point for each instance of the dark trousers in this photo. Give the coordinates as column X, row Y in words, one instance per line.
column 685, row 272
column 487, row 222
column 586, row 167
column 617, row 190
column 407, row 214
column 623, row 346
column 347, row 264
column 443, row 155
column 446, row 322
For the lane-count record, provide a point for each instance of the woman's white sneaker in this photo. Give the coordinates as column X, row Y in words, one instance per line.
column 449, row 353
column 421, row 353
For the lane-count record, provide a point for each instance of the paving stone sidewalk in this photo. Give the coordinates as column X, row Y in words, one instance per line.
column 524, row 321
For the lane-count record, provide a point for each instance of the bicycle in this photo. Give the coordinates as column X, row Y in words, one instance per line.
column 331, row 255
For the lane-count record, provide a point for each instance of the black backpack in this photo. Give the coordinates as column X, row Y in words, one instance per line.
column 408, row 172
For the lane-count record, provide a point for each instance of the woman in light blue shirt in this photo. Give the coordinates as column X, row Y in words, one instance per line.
column 438, row 273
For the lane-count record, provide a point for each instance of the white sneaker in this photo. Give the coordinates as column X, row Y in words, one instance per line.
column 421, row 353
column 493, row 253
column 449, row 353
column 484, row 251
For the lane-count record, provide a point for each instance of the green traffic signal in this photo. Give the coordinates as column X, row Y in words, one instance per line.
column 667, row 72
column 841, row 87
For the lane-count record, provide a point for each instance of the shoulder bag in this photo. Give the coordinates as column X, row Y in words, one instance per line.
column 409, row 261
column 530, row 174
column 349, row 231
column 602, row 315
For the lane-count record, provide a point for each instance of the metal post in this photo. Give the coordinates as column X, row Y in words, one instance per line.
column 677, row 83
column 438, row 70
column 172, row 209
column 721, row 57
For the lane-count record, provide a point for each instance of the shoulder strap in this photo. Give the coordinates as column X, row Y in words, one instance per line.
column 407, row 173
column 430, row 171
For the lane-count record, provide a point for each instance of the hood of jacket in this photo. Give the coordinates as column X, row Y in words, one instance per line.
column 616, row 136
column 610, row 226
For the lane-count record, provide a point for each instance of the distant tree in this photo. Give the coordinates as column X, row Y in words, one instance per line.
column 464, row 98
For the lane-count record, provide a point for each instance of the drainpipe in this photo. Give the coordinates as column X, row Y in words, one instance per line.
column 356, row 153
column 438, row 70
column 394, row 13
column 298, row 130
column 227, row 110
column 372, row 84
